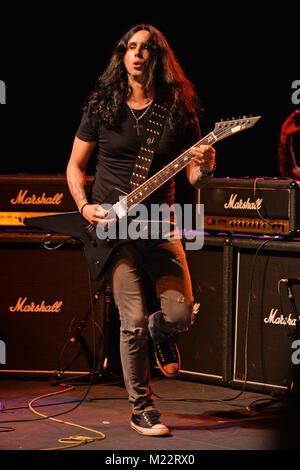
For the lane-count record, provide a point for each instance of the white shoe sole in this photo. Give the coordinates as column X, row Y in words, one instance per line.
column 159, row 431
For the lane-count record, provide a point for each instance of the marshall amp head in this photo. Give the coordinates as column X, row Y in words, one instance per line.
column 34, row 195
column 261, row 206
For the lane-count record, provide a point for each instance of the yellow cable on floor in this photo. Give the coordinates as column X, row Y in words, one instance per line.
column 75, row 440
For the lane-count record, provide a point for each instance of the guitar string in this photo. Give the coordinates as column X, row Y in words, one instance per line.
column 160, row 176
column 157, row 176
column 166, row 170
column 164, row 174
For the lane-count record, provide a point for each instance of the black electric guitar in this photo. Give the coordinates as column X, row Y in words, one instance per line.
column 97, row 249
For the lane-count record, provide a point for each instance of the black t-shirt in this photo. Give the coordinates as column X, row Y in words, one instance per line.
column 118, row 149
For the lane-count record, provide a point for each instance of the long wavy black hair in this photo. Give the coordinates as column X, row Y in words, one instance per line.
column 164, row 72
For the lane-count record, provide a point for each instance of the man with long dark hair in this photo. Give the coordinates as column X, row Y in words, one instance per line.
column 142, row 72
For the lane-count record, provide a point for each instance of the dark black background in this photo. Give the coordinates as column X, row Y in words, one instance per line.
column 241, row 57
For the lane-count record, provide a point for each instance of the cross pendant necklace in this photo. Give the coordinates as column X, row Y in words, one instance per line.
column 138, row 128
column 137, row 124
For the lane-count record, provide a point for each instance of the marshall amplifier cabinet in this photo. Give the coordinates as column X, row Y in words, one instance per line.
column 205, row 348
column 265, row 319
column 263, row 206
column 30, row 196
column 45, row 308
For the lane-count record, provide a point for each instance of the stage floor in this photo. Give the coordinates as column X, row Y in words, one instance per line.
column 200, row 417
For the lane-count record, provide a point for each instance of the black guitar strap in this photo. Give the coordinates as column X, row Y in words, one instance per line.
column 150, row 140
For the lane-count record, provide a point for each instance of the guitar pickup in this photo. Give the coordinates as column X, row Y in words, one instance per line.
column 119, row 209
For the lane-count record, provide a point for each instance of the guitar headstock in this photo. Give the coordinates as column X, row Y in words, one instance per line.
column 225, row 128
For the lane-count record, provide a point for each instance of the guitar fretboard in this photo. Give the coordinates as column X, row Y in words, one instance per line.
column 221, row 131
column 157, row 180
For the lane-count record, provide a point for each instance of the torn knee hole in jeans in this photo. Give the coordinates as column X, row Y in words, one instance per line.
column 139, row 331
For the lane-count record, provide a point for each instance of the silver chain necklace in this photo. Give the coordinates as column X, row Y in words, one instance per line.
column 137, row 125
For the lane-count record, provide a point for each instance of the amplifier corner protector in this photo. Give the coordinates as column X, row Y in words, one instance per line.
column 228, row 241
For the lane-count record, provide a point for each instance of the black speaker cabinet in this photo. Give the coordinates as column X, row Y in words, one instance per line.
column 45, row 297
column 205, row 347
column 264, row 315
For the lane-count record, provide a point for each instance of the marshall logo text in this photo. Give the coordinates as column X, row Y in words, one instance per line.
column 22, row 198
column 276, row 319
column 23, row 306
column 233, row 203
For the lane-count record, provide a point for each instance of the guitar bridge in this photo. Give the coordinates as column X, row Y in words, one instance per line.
column 90, row 232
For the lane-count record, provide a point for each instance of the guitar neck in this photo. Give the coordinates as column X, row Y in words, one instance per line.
column 156, row 181
column 222, row 130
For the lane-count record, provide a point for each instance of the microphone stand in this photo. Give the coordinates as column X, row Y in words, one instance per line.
column 291, row 298
column 97, row 368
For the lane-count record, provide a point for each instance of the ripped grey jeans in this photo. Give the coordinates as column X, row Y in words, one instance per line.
column 165, row 263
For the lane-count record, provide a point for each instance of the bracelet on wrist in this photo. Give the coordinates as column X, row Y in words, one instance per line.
column 206, row 172
column 86, row 204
